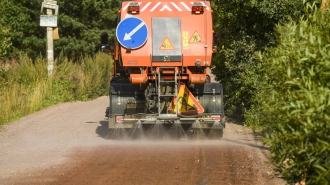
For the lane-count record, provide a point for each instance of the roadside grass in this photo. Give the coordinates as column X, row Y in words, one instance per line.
column 26, row 88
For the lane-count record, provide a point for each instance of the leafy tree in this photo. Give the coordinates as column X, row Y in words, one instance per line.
column 20, row 17
column 4, row 42
column 294, row 102
column 79, row 31
column 80, row 24
column 244, row 27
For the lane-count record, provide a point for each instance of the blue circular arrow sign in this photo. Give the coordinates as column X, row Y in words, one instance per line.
column 132, row 32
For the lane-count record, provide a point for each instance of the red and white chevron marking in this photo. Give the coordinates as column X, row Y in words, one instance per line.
column 165, row 6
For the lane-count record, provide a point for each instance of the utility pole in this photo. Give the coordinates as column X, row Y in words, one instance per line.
column 50, row 46
column 49, row 21
column 324, row 5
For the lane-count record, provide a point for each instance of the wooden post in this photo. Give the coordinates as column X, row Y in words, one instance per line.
column 324, row 5
column 49, row 21
column 50, row 47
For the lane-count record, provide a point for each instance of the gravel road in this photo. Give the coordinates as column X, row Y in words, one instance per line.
column 66, row 144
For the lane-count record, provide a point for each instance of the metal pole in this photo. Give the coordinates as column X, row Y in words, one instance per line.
column 50, row 46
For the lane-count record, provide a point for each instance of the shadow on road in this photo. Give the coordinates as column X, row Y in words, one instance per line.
column 103, row 129
column 234, row 121
column 262, row 147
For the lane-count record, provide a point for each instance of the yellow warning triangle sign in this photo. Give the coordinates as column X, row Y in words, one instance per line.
column 195, row 38
column 186, row 103
column 166, row 45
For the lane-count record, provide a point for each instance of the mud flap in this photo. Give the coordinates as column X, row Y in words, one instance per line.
column 210, row 96
column 122, row 97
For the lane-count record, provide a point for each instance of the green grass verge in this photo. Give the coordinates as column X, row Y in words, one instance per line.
column 26, row 88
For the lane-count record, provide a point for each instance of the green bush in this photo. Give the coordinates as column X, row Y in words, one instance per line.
column 294, row 101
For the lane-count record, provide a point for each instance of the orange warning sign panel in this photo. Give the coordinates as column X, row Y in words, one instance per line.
column 166, row 45
column 196, row 38
column 185, row 103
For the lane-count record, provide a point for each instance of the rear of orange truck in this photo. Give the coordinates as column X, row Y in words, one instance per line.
column 162, row 59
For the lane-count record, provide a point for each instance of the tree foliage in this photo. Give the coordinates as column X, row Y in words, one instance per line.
column 80, row 24
column 20, row 17
column 244, row 27
column 80, row 31
column 5, row 42
column 294, row 102
column 285, row 87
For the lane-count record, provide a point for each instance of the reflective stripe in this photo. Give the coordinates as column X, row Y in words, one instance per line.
column 155, row 6
column 125, row 7
column 169, row 9
column 176, row 6
column 165, row 6
column 145, row 7
column 184, row 4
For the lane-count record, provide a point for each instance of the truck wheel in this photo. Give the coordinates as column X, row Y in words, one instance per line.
column 223, row 122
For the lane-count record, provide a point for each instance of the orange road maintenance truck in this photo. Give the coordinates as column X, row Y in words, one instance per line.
column 162, row 58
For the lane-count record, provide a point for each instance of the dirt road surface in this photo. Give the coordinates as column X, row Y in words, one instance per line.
column 66, row 144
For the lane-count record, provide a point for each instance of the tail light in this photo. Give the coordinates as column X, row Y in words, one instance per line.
column 118, row 118
column 216, row 117
column 197, row 8
column 133, row 8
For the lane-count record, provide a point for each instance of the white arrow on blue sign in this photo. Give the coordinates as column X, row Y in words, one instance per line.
column 132, row 32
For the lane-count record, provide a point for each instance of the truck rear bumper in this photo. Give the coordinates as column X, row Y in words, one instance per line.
column 204, row 122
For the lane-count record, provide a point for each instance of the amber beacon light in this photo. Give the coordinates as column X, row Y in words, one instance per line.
column 197, row 8
column 133, row 8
